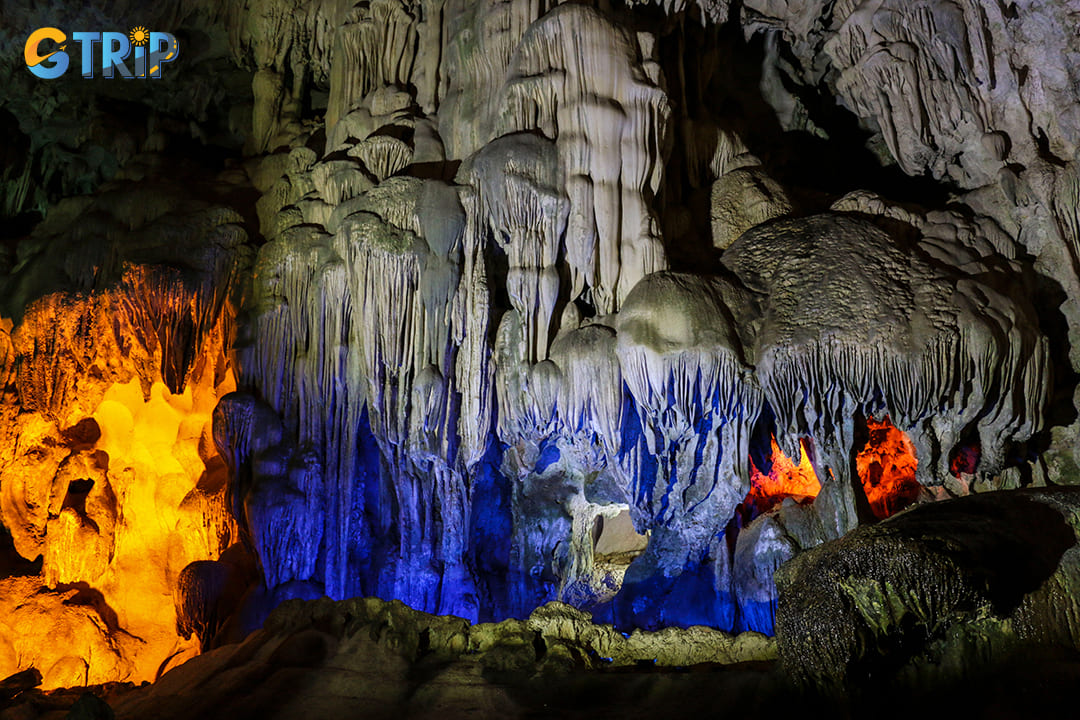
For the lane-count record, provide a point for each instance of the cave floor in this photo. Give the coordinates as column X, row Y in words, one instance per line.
column 1034, row 688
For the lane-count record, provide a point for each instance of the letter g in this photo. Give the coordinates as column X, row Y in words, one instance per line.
column 58, row 60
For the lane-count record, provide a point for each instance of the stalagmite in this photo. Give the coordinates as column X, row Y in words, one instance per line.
column 742, row 199
column 684, row 363
column 761, row 548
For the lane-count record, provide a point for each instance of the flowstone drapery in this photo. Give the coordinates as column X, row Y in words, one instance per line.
column 480, row 305
column 499, row 322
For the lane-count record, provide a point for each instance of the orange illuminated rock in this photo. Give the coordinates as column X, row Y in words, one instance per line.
column 80, row 531
column 886, row 467
column 114, row 350
column 108, row 471
column 784, row 479
column 117, row 502
column 68, row 634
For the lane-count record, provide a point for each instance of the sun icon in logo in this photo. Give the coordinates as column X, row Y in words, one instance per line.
column 139, row 35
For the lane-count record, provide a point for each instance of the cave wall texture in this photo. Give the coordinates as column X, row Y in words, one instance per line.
column 478, row 305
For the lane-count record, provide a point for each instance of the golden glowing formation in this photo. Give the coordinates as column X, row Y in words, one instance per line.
column 139, row 36
column 115, row 483
column 784, row 479
column 886, row 467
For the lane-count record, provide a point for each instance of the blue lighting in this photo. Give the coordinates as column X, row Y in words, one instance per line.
column 396, row 545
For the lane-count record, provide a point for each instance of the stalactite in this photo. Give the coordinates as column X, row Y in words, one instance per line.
column 611, row 136
column 378, row 49
column 925, row 347
column 518, row 178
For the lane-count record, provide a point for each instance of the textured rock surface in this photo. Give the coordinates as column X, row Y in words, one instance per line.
column 963, row 92
column 124, row 306
column 479, row 305
column 385, row 660
column 935, row 594
column 390, row 661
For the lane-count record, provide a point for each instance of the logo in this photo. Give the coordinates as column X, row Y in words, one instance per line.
column 47, row 53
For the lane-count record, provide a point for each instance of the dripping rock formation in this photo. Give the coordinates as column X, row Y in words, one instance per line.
column 528, row 336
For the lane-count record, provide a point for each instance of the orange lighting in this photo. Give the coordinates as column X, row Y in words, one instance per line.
column 784, row 479
column 118, row 488
column 886, row 467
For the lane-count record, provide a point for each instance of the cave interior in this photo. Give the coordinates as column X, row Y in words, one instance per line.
column 763, row 385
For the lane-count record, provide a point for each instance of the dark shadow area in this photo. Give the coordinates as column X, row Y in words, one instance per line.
column 722, row 79
column 761, row 440
column 862, row 504
column 645, row 691
column 12, row 564
column 1031, row 681
column 1007, row 542
column 90, row 597
column 16, row 167
column 1048, row 296
column 13, row 686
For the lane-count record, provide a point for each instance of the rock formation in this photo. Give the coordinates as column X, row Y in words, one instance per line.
column 482, row 305
column 935, row 594
column 356, row 655
column 125, row 304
